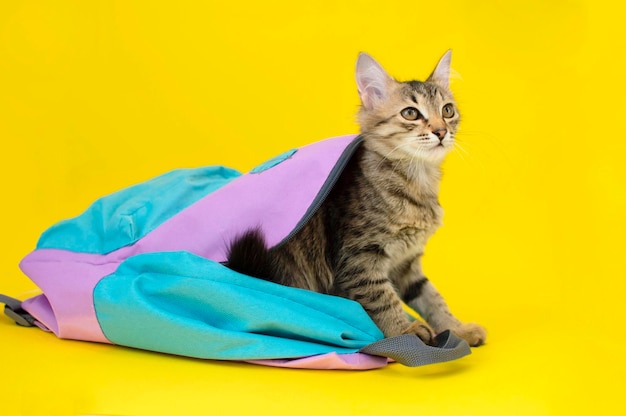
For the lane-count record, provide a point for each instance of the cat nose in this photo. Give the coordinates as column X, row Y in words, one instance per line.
column 440, row 133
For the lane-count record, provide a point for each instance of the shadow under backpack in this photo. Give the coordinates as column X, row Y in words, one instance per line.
column 144, row 268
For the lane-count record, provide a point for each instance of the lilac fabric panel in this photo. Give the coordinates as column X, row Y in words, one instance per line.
column 270, row 199
column 68, row 280
column 40, row 308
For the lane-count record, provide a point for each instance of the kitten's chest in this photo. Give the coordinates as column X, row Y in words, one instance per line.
column 413, row 226
column 419, row 213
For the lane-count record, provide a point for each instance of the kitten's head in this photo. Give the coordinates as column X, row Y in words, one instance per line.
column 407, row 120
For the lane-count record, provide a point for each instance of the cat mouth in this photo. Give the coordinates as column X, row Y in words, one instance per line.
column 444, row 144
column 439, row 149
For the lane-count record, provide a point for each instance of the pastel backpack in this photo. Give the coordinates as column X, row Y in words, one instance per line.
column 144, row 268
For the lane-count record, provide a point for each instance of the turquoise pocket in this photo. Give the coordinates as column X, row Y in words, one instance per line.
column 126, row 216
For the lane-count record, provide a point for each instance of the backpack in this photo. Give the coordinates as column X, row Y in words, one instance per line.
column 144, row 268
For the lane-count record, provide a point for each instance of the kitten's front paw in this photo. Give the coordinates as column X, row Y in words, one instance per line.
column 474, row 334
column 423, row 331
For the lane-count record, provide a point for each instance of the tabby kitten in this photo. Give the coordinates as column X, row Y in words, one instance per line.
column 366, row 241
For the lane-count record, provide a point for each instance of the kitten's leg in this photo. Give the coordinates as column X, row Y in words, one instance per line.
column 420, row 294
column 364, row 279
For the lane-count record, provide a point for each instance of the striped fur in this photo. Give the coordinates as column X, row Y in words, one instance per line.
column 366, row 241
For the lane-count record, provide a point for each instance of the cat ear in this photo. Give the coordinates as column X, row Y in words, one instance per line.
column 441, row 74
column 372, row 81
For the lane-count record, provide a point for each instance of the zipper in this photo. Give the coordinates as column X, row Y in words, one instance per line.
column 328, row 185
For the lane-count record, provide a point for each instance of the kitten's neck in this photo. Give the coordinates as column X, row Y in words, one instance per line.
column 422, row 177
column 425, row 176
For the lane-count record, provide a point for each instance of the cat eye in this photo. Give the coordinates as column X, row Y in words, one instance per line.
column 448, row 111
column 411, row 113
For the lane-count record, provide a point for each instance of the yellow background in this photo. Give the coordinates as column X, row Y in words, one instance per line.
column 99, row 95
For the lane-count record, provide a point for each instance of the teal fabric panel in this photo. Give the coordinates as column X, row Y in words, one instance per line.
column 180, row 303
column 126, row 216
column 274, row 161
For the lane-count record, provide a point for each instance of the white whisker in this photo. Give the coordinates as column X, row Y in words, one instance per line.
column 461, row 151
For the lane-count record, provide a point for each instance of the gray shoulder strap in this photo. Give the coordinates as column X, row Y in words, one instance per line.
column 13, row 309
column 411, row 351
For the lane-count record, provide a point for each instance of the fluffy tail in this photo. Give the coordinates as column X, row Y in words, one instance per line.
column 248, row 254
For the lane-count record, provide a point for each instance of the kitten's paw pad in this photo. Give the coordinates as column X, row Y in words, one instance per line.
column 474, row 334
column 423, row 331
